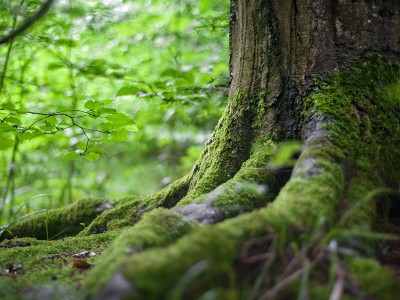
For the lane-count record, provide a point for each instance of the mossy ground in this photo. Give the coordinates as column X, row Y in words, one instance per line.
column 30, row 267
column 310, row 238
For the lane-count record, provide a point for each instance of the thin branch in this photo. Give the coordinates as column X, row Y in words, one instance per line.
column 3, row 74
column 29, row 22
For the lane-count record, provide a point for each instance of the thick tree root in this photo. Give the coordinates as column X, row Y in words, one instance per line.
column 58, row 223
column 314, row 192
column 285, row 230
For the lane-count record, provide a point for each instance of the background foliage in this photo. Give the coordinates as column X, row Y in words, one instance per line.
column 106, row 98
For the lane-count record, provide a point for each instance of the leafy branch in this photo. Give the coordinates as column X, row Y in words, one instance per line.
column 111, row 126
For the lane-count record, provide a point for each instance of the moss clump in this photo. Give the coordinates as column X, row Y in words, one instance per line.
column 157, row 273
column 228, row 148
column 61, row 222
column 157, row 228
column 314, row 191
column 130, row 210
column 125, row 214
column 30, row 267
column 373, row 279
column 363, row 103
column 253, row 186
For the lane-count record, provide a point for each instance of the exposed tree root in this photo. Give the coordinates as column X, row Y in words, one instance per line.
column 314, row 191
column 322, row 214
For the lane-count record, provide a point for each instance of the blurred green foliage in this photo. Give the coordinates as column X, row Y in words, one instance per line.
column 106, row 98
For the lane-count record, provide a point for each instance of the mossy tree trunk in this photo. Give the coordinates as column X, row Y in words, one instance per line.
column 348, row 124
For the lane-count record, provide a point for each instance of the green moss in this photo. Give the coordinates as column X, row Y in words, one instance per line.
column 374, row 279
column 130, row 210
column 183, row 259
column 218, row 246
column 61, row 222
column 253, row 186
column 360, row 196
column 228, row 148
column 167, row 267
column 35, row 266
column 157, row 228
column 363, row 103
column 125, row 214
column 169, row 196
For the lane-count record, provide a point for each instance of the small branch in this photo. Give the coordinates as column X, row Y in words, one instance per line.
column 338, row 288
column 29, row 22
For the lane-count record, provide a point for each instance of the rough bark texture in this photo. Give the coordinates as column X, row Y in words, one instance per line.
column 274, row 223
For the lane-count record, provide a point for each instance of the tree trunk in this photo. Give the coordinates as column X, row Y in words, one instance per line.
column 275, row 224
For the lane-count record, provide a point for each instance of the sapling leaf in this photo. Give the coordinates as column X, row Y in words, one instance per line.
column 93, row 104
column 5, row 127
column 7, row 106
column 72, row 156
column 107, row 126
column 51, row 120
column 120, row 119
column 127, row 90
column 6, row 142
column 92, row 156
column 14, row 120
column 97, row 150
column 131, row 128
column 107, row 110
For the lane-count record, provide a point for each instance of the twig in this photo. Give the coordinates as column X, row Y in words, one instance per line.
column 338, row 288
column 29, row 22
column 273, row 292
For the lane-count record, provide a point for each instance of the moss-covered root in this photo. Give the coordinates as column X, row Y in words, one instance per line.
column 204, row 259
column 58, row 223
column 228, row 147
column 157, row 228
column 129, row 211
column 253, row 186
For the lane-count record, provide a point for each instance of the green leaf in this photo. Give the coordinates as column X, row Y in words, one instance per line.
column 93, row 104
column 107, row 102
column 106, row 126
column 185, row 77
column 7, row 106
column 46, row 127
column 51, row 120
column 116, row 136
column 107, row 110
column 169, row 95
column 81, row 145
column 55, row 66
column 131, row 128
column 169, row 72
column 72, row 156
column 97, row 150
column 92, row 156
column 120, row 119
column 285, row 154
column 127, row 90
column 27, row 136
column 119, row 136
column 5, row 127
column 6, row 142
column 14, row 120
column 204, row 5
